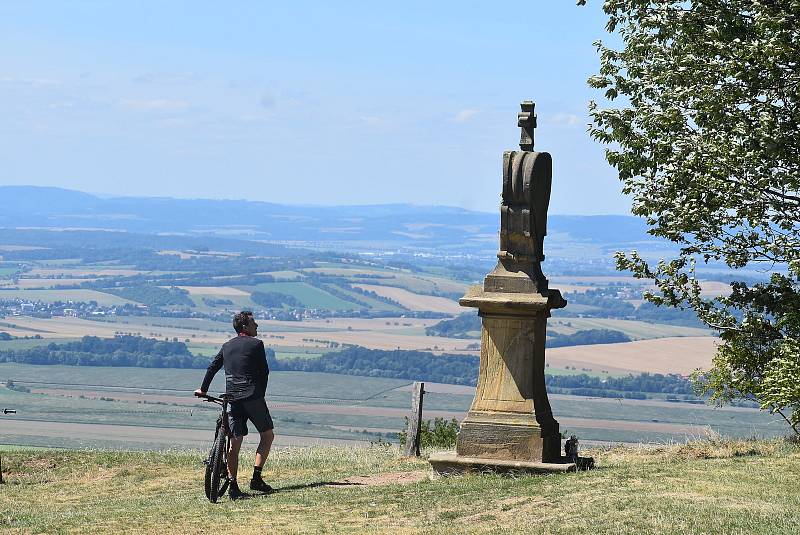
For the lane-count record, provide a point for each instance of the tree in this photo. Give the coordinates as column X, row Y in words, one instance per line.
column 703, row 128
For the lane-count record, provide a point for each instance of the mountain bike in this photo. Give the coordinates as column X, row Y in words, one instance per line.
column 217, row 461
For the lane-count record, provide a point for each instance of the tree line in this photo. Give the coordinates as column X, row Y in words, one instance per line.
column 137, row 351
column 125, row 350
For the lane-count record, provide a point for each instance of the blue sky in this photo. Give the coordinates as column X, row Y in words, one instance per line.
column 299, row 102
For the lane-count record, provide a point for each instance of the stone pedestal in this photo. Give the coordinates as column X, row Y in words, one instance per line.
column 510, row 424
column 510, row 417
column 510, row 420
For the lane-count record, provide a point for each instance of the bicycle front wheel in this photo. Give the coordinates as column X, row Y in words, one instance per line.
column 216, row 468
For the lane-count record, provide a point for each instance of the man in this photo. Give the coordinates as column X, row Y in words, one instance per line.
column 246, row 374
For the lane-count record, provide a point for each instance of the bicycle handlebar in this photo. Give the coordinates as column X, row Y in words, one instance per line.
column 211, row 398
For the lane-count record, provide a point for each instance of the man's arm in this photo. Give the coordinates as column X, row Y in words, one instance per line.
column 212, row 370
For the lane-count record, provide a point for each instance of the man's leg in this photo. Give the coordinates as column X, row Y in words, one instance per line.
column 233, row 457
column 264, row 445
column 259, row 415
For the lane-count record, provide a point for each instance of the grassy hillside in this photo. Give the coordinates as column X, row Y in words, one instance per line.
column 703, row 487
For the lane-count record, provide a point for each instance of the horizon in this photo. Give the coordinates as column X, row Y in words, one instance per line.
column 307, row 103
column 104, row 196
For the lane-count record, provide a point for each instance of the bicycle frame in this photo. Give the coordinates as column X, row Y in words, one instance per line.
column 213, row 489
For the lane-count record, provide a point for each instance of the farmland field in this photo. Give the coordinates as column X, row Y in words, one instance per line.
column 308, row 295
column 51, row 296
column 662, row 355
column 43, row 283
column 84, row 271
column 636, row 330
column 421, row 284
column 153, row 408
column 414, row 301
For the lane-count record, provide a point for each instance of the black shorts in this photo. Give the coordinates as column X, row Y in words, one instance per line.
column 254, row 410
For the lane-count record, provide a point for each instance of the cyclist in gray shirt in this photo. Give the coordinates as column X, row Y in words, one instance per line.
column 246, row 373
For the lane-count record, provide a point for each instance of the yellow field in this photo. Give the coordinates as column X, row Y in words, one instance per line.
column 636, row 330
column 414, row 301
column 368, row 333
column 662, row 355
column 67, row 327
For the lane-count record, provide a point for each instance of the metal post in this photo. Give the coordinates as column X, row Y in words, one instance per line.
column 415, row 420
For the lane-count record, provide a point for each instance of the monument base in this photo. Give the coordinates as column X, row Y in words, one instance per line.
column 501, row 440
column 447, row 463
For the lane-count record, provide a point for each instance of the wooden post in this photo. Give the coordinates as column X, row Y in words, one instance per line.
column 415, row 420
column 5, row 411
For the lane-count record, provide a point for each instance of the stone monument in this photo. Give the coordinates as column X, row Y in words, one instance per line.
column 510, row 424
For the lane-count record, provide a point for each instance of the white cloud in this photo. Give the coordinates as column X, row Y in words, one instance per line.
column 372, row 120
column 267, row 100
column 29, row 81
column 167, row 78
column 464, row 115
column 564, row 119
column 153, row 104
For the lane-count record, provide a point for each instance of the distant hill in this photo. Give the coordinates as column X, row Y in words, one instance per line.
column 366, row 227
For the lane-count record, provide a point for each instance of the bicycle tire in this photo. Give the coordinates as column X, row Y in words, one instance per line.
column 215, row 468
column 207, row 462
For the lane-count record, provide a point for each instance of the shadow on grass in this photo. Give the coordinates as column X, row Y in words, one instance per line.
column 303, row 486
column 288, row 488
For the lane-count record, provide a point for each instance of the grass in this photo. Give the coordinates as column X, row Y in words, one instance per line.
column 702, row 487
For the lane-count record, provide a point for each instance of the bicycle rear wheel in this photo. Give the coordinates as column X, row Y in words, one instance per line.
column 216, row 469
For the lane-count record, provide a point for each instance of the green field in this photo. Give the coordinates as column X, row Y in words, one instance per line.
column 51, row 296
column 422, row 284
column 59, row 262
column 310, row 296
column 372, row 303
column 702, row 487
column 282, row 276
column 240, row 302
column 6, row 272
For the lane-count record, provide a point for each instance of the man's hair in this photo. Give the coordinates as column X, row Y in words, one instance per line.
column 241, row 320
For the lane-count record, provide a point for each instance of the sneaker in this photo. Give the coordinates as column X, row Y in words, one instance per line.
column 234, row 493
column 260, row 485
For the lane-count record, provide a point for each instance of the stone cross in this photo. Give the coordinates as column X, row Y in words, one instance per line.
column 526, row 119
column 510, row 422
